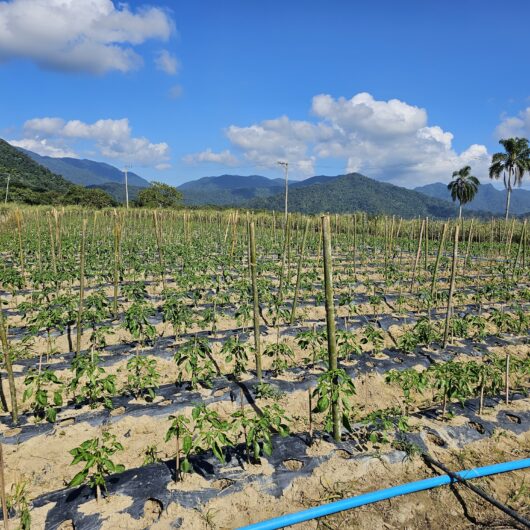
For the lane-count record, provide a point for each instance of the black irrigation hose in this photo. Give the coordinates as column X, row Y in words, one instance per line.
column 479, row 491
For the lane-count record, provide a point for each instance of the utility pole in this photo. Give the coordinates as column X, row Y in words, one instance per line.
column 285, row 166
column 126, row 170
column 7, row 187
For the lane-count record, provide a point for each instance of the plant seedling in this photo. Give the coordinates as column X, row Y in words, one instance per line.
column 142, row 377
column 237, row 352
column 42, row 406
column 334, row 386
column 180, row 430
column 259, row 428
column 96, row 454
column 194, row 357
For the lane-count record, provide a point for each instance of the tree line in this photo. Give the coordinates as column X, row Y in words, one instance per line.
column 511, row 165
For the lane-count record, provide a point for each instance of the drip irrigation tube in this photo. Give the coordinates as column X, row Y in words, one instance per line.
column 480, row 492
column 388, row 493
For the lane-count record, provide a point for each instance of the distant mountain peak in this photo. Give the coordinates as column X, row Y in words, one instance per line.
column 86, row 172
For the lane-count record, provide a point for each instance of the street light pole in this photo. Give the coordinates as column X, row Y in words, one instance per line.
column 126, row 170
column 285, row 166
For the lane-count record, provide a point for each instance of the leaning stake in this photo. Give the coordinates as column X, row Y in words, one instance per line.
column 253, row 274
column 330, row 321
column 3, row 490
column 299, row 273
column 9, row 367
column 81, row 289
column 451, row 287
column 437, row 262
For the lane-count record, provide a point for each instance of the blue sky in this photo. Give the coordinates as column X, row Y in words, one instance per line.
column 402, row 91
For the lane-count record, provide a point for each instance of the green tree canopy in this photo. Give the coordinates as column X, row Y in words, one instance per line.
column 93, row 197
column 159, row 195
column 463, row 187
column 512, row 164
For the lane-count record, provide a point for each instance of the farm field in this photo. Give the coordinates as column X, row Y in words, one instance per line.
column 182, row 369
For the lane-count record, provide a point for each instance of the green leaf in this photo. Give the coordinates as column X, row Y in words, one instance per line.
column 187, row 444
column 78, row 479
column 108, row 464
column 27, row 393
column 51, row 415
column 267, row 448
column 322, row 404
column 185, row 466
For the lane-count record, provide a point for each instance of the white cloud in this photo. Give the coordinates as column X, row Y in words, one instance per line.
column 373, row 118
column 167, row 62
column 91, row 36
column 44, row 147
column 175, row 91
column 111, row 138
column 389, row 140
column 224, row 157
column 512, row 126
column 280, row 139
column 47, row 126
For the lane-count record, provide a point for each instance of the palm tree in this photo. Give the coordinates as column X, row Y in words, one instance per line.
column 512, row 164
column 463, row 187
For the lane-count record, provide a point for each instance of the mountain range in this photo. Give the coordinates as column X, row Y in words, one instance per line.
column 355, row 192
column 86, row 172
column 32, row 183
column 340, row 194
column 334, row 194
column 229, row 190
column 488, row 198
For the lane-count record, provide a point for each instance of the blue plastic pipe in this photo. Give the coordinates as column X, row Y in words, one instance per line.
column 381, row 495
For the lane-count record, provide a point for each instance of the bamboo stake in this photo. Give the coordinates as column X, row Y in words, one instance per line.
column 3, row 490
column 299, row 273
column 253, row 272
column 117, row 239
column 286, row 243
column 519, row 248
column 451, row 288
column 438, row 256
column 468, row 247
column 507, row 380
column 426, row 250
column 52, row 246
column 9, row 367
column 310, row 400
column 18, row 217
column 158, row 233
column 330, row 321
column 418, row 253
column 355, row 243
column 81, row 289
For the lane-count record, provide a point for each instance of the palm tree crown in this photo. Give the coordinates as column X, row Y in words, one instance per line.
column 463, row 187
column 512, row 164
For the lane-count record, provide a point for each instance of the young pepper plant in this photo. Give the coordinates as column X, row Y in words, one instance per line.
column 194, row 357
column 259, row 429
column 236, row 351
column 142, row 376
column 334, row 386
column 43, row 407
column 212, row 431
column 96, row 454
column 180, row 430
